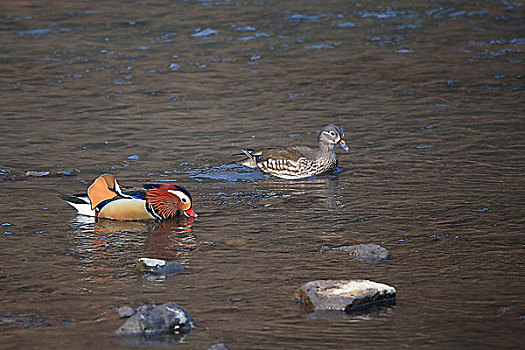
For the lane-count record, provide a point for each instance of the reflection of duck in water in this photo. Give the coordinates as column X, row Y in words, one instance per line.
column 298, row 162
column 109, row 246
column 105, row 199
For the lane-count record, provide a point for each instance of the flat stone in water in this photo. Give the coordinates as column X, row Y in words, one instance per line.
column 371, row 253
column 344, row 295
column 36, row 173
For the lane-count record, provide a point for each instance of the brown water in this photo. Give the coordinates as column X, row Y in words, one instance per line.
column 430, row 94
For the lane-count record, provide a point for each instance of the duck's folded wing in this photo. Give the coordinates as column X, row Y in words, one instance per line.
column 291, row 154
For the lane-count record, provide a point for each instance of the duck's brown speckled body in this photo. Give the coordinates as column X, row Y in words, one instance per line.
column 298, row 162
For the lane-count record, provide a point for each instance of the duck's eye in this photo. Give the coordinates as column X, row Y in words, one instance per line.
column 332, row 133
column 184, row 200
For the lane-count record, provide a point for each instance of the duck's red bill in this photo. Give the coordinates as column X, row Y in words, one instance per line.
column 190, row 213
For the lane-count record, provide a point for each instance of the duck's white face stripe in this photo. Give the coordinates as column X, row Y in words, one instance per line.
column 119, row 191
column 182, row 196
column 333, row 134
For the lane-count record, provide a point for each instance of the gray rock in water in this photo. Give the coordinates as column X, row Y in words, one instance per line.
column 371, row 253
column 344, row 295
column 125, row 311
column 157, row 319
column 158, row 267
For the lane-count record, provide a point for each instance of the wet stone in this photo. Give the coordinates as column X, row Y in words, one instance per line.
column 125, row 311
column 36, row 173
column 370, row 253
column 158, row 266
column 150, row 320
column 344, row 295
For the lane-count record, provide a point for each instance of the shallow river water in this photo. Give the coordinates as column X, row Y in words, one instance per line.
column 431, row 97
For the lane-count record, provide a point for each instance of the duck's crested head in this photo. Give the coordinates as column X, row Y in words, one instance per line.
column 167, row 200
column 103, row 188
column 332, row 135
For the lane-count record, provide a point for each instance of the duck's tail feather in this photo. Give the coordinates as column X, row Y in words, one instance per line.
column 253, row 158
column 80, row 202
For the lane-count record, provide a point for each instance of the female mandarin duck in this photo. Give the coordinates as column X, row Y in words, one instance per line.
column 105, row 199
column 297, row 162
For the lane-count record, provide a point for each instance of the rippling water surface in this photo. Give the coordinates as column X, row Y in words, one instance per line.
column 430, row 94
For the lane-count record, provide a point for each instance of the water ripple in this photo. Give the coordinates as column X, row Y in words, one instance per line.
column 228, row 173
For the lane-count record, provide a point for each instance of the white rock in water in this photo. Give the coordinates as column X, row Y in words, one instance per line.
column 344, row 295
column 363, row 286
column 153, row 262
column 36, row 173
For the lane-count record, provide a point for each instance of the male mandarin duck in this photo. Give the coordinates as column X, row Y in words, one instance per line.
column 105, row 199
column 298, row 162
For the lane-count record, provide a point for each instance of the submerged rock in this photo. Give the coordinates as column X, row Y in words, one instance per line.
column 160, row 340
column 149, row 320
column 220, row 346
column 371, row 253
column 344, row 295
column 158, row 267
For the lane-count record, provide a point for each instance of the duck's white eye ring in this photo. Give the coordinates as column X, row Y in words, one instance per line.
column 184, row 200
column 332, row 133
